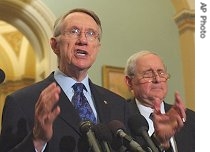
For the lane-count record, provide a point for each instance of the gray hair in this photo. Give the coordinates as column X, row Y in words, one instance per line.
column 130, row 68
column 59, row 21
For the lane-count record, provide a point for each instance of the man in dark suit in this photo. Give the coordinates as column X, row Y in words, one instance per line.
column 18, row 118
column 146, row 76
column 42, row 117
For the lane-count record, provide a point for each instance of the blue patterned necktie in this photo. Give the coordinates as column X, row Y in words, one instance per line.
column 81, row 104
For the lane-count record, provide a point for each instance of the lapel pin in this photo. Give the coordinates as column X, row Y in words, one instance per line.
column 105, row 102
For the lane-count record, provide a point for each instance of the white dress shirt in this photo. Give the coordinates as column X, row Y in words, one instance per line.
column 146, row 111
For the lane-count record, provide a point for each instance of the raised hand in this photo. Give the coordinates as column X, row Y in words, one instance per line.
column 166, row 125
column 46, row 111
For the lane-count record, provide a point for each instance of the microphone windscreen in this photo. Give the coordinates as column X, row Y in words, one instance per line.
column 115, row 125
column 117, row 142
column 2, row 76
column 67, row 144
column 102, row 132
column 85, row 126
column 138, row 123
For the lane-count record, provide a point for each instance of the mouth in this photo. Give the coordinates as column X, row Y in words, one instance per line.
column 81, row 52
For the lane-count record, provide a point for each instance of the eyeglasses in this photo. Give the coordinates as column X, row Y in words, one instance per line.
column 75, row 33
column 150, row 75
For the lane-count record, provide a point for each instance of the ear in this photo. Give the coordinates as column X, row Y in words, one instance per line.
column 54, row 45
column 128, row 81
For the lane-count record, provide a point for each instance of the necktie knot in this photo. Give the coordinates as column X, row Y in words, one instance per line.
column 151, row 116
column 78, row 87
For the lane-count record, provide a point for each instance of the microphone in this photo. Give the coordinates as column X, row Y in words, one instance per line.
column 85, row 128
column 139, row 126
column 104, row 135
column 117, row 128
column 2, row 76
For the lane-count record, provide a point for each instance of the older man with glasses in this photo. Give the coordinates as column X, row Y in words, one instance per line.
column 147, row 77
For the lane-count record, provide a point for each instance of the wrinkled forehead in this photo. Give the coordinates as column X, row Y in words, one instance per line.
column 81, row 20
column 150, row 61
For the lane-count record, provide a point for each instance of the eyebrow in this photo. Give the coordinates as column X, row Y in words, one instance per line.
column 89, row 28
column 150, row 69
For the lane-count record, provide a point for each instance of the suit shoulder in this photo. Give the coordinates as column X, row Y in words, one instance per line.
column 190, row 115
column 108, row 93
column 33, row 89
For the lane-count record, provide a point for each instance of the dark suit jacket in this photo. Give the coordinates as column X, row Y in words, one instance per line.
column 18, row 118
column 185, row 138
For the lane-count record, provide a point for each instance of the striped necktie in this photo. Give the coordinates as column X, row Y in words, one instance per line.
column 81, row 104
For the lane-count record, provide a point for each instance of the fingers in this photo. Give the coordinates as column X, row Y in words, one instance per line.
column 180, row 107
column 175, row 118
column 166, row 125
column 52, row 115
column 47, row 99
column 46, row 111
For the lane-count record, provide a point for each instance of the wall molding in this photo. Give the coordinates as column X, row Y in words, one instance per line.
column 185, row 20
column 35, row 21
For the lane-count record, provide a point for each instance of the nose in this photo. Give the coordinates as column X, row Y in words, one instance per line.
column 156, row 78
column 82, row 37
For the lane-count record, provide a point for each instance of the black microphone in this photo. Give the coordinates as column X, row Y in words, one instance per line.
column 104, row 136
column 139, row 126
column 2, row 76
column 85, row 128
column 118, row 129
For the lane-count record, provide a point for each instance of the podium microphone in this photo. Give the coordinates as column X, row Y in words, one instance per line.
column 85, row 128
column 117, row 129
column 104, row 136
column 139, row 126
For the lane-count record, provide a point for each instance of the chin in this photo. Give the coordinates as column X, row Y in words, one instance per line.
column 159, row 96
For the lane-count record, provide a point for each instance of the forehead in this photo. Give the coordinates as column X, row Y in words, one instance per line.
column 149, row 61
column 81, row 20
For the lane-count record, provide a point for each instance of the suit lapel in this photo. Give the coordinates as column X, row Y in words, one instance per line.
column 166, row 106
column 133, row 108
column 70, row 116
column 102, row 106
column 68, row 113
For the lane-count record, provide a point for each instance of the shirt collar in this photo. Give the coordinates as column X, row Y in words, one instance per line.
column 146, row 111
column 67, row 82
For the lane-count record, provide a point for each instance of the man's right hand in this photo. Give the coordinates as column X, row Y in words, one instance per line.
column 46, row 111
